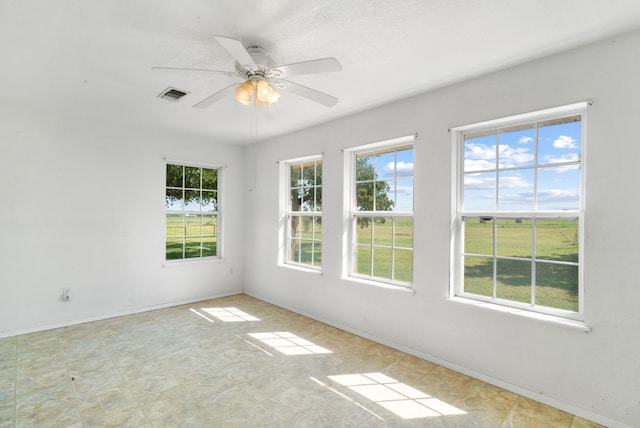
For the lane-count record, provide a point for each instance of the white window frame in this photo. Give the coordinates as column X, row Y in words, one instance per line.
column 288, row 213
column 458, row 213
column 353, row 214
column 217, row 213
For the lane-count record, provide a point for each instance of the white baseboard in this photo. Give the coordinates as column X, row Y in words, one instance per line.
column 114, row 315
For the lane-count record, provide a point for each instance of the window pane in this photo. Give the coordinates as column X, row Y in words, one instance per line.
column 363, row 230
column 515, row 192
column 480, row 191
column 318, row 173
column 192, row 248
column 404, row 232
column 404, row 195
column 479, row 152
column 478, row 235
column 174, row 175
column 385, row 165
column 559, row 188
column 557, row 286
column 174, row 200
column 296, row 175
column 383, row 231
column 209, row 225
column 559, row 141
column 296, row 200
column 317, row 254
column 514, row 237
column 384, row 195
column 209, row 201
column 557, row 239
column 364, row 167
column 364, row 196
column 308, row 174
column 516, row 146
column 209, row 179
column 306, row 251
column 308, row 199
column 193, row 225
column 294, row 250
column 404, row 163
column 317, row 228
column 318, row 198
column 192, row 177
column 306, row 231
column 192, row 200
column 513, row 280
column 478, row 275
column 295, row 229
column 403, row 260
column 363, row 260
column 174, row 248
column 382, row 259
column 175, row 224
column 209, row 246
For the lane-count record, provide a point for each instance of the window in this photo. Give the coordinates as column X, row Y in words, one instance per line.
column 304, row 213
column 382, row 212
column 191, row 210
column 519, row 211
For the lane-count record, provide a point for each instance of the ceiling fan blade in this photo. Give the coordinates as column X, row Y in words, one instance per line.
column 235, row 48
column 323, row 65
column 202, row 70
column 311, row 94
column 213, row 98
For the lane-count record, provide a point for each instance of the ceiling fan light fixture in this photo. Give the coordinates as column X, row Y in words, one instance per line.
column 244, row 92
column 260, row 92
column 265, row 93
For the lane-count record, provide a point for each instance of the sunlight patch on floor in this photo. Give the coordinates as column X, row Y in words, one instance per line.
column 230, row 314
column 289, row 344
column 397, row 397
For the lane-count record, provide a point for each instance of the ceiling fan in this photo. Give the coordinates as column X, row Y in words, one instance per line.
column 262, row 78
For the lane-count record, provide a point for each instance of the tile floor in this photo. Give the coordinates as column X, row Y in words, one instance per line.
column 240, row 362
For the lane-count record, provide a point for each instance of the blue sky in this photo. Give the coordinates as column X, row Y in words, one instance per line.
column 558, row 184
column 397, row 169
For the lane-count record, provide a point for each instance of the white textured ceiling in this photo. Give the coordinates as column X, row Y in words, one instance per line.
column 92, row 59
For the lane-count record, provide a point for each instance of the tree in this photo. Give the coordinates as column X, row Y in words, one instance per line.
column 369, row 191
column 192, row 180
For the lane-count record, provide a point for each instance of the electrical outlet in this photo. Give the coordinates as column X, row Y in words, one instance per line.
column 66, row 294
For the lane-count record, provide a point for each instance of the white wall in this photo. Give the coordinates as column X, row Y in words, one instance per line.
column 82, row 207
column 594, row 374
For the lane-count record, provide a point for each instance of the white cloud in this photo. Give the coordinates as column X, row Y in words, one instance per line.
column 555, row 195
column 569, row 157
column 478, row 164
column 476, row 181
column 512, row 157
column 525, row 140
column 482, row 157
column 513, row 181
column 480, row 151
column 564, row 142
column 403, row 169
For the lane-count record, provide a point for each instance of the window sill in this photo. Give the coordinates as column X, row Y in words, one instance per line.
column 186, row 262
column 552, row 319
column 300, row 268
column 380, row 284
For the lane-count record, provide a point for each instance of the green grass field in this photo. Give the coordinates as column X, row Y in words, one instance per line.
column 556, row 285
column 191, row 236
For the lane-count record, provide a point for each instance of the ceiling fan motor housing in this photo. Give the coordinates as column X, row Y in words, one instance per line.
column 264, row 66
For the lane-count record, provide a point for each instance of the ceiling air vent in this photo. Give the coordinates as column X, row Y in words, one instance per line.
column 172, row 94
